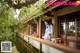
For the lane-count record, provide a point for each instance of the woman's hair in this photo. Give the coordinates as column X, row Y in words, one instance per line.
column 46, row 21
column 49, row 22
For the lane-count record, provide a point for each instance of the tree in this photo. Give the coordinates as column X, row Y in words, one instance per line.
column 7, row 22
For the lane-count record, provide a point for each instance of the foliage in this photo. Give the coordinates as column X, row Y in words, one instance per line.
column 19, row 1
column 23, row 11
column 7, row 22
column 29, row 12
column 35, row 21
column 32, row 10
column 8, row 26
column 42, row 17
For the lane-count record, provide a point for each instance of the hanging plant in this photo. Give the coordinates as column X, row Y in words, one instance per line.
column 42, row 17
column 32, row 9
column 35, row 21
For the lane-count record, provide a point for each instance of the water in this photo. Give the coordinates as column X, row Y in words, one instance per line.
column 20, row 46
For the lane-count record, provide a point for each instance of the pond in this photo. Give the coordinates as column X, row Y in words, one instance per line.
column 20, row 46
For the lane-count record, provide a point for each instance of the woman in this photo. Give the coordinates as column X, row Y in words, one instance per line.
column 48, row 30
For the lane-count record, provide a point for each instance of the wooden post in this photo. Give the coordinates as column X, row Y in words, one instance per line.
column 30, row 30
column 59, row 27
column 40, row 36
column 55, row 27
column 38, row 28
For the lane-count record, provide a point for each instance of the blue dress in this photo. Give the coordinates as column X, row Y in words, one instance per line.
column 48, row 31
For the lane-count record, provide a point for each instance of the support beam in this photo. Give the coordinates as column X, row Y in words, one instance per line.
column 55, row 26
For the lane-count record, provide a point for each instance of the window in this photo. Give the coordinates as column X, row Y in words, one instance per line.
column 62, row 26
column 69, row 24
column 78, row 26
column 69, row 29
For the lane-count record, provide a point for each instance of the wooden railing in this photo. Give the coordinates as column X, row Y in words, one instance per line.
column 55, row 45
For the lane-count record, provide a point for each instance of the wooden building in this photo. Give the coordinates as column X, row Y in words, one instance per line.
column 66, row 30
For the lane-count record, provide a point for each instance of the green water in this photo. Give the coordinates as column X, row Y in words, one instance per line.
column 20, row 46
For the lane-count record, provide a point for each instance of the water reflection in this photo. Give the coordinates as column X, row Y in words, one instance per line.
column 24, row 47
column 19, row 45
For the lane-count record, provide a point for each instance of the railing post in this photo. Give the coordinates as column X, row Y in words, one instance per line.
column 40, row 36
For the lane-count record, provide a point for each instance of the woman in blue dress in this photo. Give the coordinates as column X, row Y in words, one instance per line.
column 48, row 30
